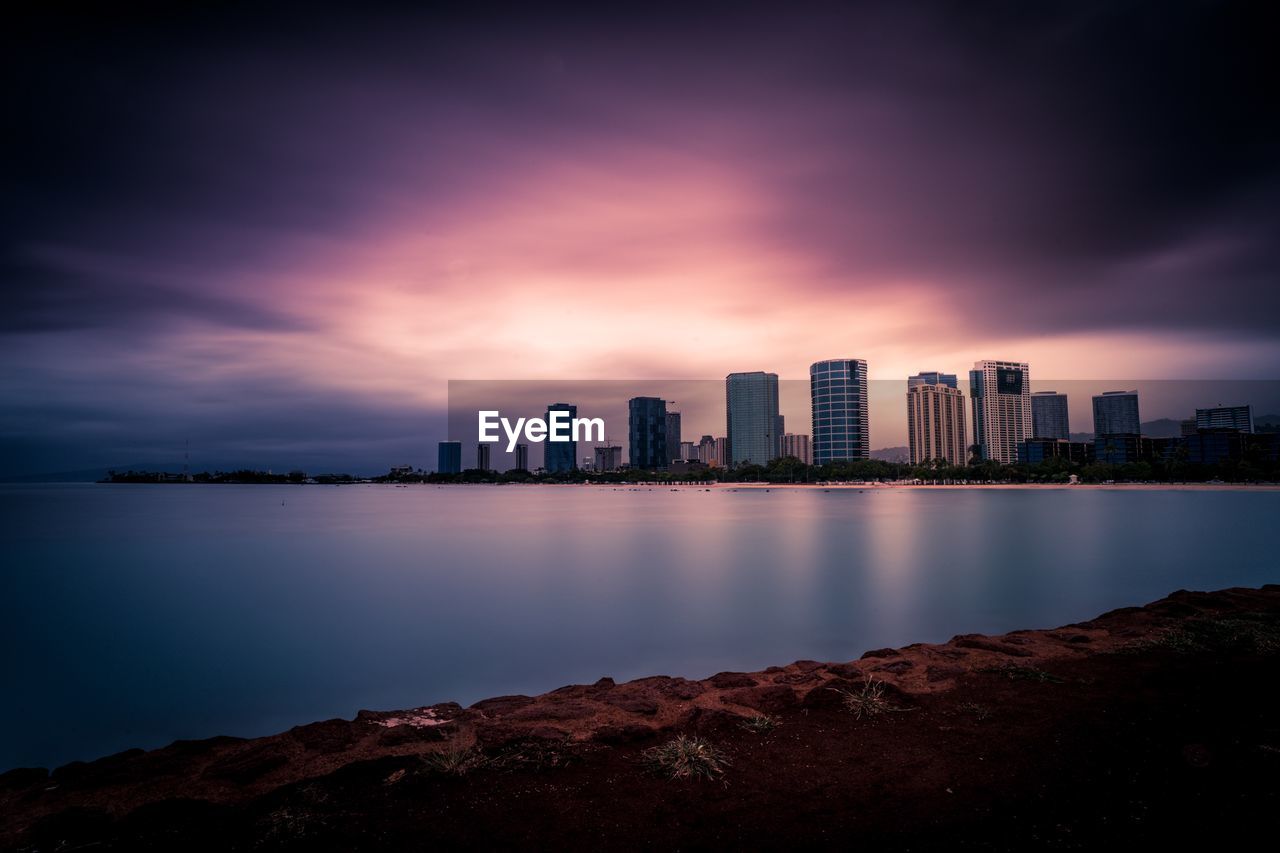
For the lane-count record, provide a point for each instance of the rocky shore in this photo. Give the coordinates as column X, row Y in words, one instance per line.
column 1146, row 723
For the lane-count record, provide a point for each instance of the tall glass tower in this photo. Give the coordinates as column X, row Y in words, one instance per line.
column 449, row 457
column 1116, row 413
column 838, row 389
column 1049, row 415
column 751, row 417
column 647, row 433
column 560, row 455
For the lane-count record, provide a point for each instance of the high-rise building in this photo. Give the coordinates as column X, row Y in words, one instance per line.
column 1116, row 413
column 797, row 445
column 751, row 417
column 1034, row 451
column 449, row 458
column 707, row 451
column 688, row 450
column 932, row 378
column 1237, row 418
column 1049, row 415
column 647, row 433
column 673, row 438
column 935, row 422
column 482, row 456
column 1001, row 392
column 838, row 391
column 522, row 457
column 608, row 458
column 722, row 452
column 560, row 456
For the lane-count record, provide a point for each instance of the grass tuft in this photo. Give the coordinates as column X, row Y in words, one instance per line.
column 455, row 762
column 760, row 724
column 686, row 757
column 867, row 700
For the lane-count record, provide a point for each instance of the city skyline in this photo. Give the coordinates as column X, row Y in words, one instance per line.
column 232, row 259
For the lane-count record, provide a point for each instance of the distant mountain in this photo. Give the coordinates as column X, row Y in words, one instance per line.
column 1163, row 428
column 891, row 454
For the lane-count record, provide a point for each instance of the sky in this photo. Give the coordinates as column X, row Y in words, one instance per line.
column 273, row 233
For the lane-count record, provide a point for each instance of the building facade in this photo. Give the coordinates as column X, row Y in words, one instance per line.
column 560, row 456
column 797, row 445
column 449, row 457
column 1049, row 416
column 1238, row 418
column 935, row 423
column 673, row 438
column 1033, row 451
column 707, row 451
column 522, row 457
column 647, row 433
column 751, row 417
column 838, row 395
column 1001, row 393
column 483, row 456
column 1116, row 413
column 722, row 452
column 933, row 378
column 608, row 458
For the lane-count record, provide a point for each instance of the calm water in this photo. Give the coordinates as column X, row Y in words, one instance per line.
column 134, row 615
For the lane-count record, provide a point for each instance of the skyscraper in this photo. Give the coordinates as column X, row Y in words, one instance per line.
column 482, row 456
column 647, row 433
column 1237, row 418
column 932, row 378
column 935, row 421
column 722, row 452
column 560, row 456
column 449, row 457
column 838, row 390
column 522, row 457
column 751, row 417
column 1001, row 392
column 1116, row 413
column 1049, row 415
column 797, row 445
column 707, row 451
column 608, row 458
column 688, row 450
column 673, row 438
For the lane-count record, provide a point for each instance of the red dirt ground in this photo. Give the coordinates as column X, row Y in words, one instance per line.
column 1146, row 725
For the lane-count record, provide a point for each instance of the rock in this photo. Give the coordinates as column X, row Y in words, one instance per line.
column 23, row 777
column 502, row 704
column 935, row 673
column 729, row 680
column 977, row 641
column 769, row 698
column 896, row 667
column 618, row 735
column 246, row 765
column 880, row 653
column 634, row 704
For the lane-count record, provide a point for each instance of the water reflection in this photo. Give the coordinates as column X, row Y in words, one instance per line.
column 133, row 615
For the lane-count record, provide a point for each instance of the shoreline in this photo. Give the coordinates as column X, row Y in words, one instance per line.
column 600, row 729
